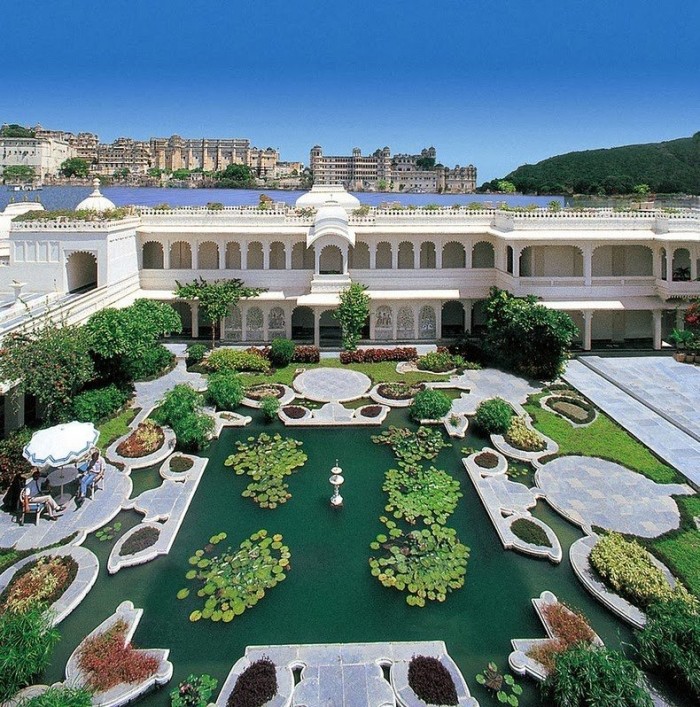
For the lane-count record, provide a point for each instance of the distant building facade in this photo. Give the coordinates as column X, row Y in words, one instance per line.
column 44, row 154
column 384, row 172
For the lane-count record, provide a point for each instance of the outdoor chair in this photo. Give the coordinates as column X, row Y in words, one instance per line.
column 25, row 506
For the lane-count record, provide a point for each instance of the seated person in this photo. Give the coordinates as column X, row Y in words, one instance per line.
column 34, row 494
column 93, row 470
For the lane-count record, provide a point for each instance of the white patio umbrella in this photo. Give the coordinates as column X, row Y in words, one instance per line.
column 61, row 444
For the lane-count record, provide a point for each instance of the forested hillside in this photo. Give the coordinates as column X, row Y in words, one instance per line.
column 667, row 167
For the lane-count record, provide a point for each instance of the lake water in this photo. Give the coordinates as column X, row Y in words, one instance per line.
column 69, row 197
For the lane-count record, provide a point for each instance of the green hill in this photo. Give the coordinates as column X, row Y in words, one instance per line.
column 667, row 167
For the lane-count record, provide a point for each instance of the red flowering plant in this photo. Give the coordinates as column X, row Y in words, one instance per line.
column 692, row 315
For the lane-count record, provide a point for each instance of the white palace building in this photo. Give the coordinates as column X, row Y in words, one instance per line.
column 622, row 276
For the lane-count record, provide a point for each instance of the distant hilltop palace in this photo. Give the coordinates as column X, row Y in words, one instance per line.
column 382, row 171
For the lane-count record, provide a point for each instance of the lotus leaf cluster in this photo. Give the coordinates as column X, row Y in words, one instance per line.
column 427, row 563
column 412, row 447
column 416, row 492
column 267, row 460
column 235, row 580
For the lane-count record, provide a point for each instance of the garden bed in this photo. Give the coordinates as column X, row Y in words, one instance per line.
column 140, row 540
column 572, row 408
column 262, row 390
column 370, row 411
column 398, row 391
column 146, row 439
column 486, row 460
column 295, row 412
column 44, row 580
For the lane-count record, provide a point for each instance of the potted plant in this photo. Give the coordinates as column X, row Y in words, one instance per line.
column 681, row 338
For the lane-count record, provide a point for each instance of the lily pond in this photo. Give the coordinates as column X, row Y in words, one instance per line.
column 329, row 594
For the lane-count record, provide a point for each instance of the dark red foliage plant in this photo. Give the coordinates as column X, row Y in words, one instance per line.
column 431, row 681
column 255, row 686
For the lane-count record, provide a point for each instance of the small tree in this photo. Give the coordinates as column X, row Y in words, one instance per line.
column 642, row 191
column 19, row 173
column 270, row 406
column 505, row 186
column 216, row 298
column 493, row 416
column 430, row 404
column 75, row 167
column 281, row 352
column 352, row 314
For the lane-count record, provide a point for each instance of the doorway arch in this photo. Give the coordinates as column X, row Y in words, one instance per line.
column 81, row 272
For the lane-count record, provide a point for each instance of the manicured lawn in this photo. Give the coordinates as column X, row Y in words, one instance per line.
column 384, row 372
column 603, row 438
column 681, row 552
column 114, row 428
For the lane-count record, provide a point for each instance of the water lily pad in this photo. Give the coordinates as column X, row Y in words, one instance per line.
column 183, row 593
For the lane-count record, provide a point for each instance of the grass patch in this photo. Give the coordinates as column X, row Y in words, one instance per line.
column 115, row 427
column 602, row 438
column 383, row 372
column 681, row 553
column 8, row 556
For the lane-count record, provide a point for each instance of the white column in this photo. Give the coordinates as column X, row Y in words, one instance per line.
column 266, row 256
column 467, row 315
column 194, row 248
column 516, row 261
column 669, row 265
column 657, row 315
column 438, row 256
column 656, row 263
column 317, row 328
column 372, row 256
column 394, row 321
column 693, row 264
column 244, row 323
column 416, row 256
column 469, row 255
column 394, row 256
column 372, row 320
column 266, row 326
column 194, row 307
column 680, row 319
column 288, row 256
column 166, row 256
column 317, row 261
column 288, row 322
column 587, row 329
column 587, row 266
column 438, row 321
column 344, row 253
column 222, row 255
column 244, row 255
column 222, row 324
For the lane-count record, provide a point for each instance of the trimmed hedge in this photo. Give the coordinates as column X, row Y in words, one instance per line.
column 282, row 352
column 430, row 404
column 96, row 404
column 196, row 353
column 402, row 353
column 493, row 416
column 439, row 362
column 306, row 354
column 530, row 532
column 235, row 360
column 149, row 363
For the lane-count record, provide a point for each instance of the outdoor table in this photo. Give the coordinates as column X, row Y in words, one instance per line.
column 61, row 476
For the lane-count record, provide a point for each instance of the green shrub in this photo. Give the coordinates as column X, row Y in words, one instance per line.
column 493, row 416
column 11, row 459
column 520, row 436
column 151, row 362
column 180, row 409
column 627, row 567
column 281, row 352
column 430, row 404
column 670, row 642
column 96, row 404
column 225, row 390
column 61, row 696
column 591, row 677
column 530, row 532
column 234, row 360
column 439, row 362
column 27, row 639
column 196, row 353
column 193, row 692
column 270, row 405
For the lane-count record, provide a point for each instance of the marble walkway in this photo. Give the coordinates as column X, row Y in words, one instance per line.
column 660, row 434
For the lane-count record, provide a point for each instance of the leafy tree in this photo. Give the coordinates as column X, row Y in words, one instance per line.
column 19, row 173
column 493, row 416
column 122, row 173
column 15, row 130
column 590, row 677
column 352, row 314
column 235, row 175
column 430, row 404
column 641, row 189
column 27, row 639
column 181, row 409
column 269, row 405
column 181, row 174
column 155, row 172
column 506, row 187
column 216, row 298
column 75, row 167
column 51, row 362
column 225, row 390
column 382, row 185
column 525, row 336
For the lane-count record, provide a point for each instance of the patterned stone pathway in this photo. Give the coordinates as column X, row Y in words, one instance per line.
column 596, row 492
column 659, row 434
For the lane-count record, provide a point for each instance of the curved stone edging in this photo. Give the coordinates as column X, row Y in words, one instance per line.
column 123, row 693
column 77, row 590
column 131, row 463
column 389, row 402
column 334, row 415
column 500, row 468
column 551, row 396
column 311, row 384
column 579, row 555
column 285, row 683
column 229, row 419
column 521, row 455
column 287, row 397
column 459, row 430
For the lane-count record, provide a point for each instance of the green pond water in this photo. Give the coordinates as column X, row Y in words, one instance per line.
column 329, row 595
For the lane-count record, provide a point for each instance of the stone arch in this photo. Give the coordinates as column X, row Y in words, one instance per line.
column 330, row 260
column 622, row 260
column 303, row 324
column 233, row 325
column 428, row 259
column 180, row 256
column 383, row 260
column 208, row 256
column 278, row 259
column 405, row 256
column 152, row 256
column 254, row 324
column 81, row 271
column 427, row 322
column 483, row 255
column 384, row 323
column 255, row 256
column 303, row 258
column 453, row 255
column 681, row 264
column 452, row 320
column 329, row 328
column 276, row 323
column 233, row 256
column 184, row 309
column 405, row 324
column 359, row 256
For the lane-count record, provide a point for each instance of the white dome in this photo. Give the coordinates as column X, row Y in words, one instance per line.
column 321, row 193
column 95, row 202
column 16, row 208
column 331, row 220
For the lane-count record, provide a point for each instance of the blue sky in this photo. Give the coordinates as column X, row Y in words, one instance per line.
column 494, row 83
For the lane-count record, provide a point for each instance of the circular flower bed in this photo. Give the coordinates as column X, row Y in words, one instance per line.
column 263, row 390
column 487, row 460
column 294, row 412
column 234, row 581
column 255, row 686
column 573, row 409
column 179, row 464
column 147, row 438
column 44, row 580
column 140, row 540
column 399, row 391
column 431, row 681
column 371, row 410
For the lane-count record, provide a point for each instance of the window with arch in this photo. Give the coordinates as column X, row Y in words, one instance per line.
column 453, row 255
column 428, row 259
column 208, row 256
column 255, row 256
column 233, row 256
column 405, row 324
column 181, row 256
column 405, row 256
column 483, row 255
column 384, row 323
column 383, row 261
column 233, row 325
column 276, row 323
column 277, row 256
column 426, row 322
column 254, row 324
column 152, row 256
column 359, row 256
